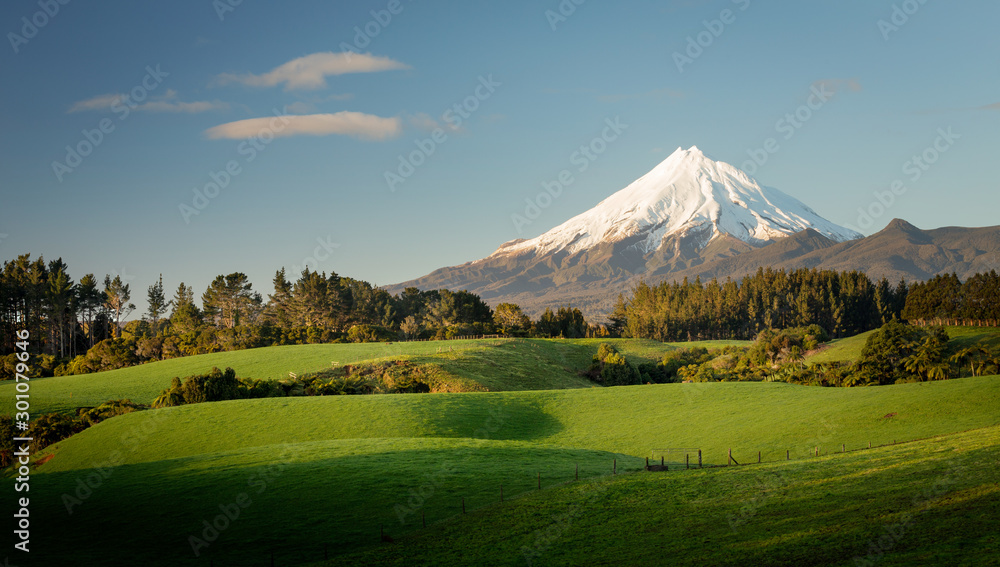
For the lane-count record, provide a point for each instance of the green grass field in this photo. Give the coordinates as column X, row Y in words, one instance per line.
column 849, row 349
column 841, row 350
column 494, row 365
column 933, row 502
column 332, row 470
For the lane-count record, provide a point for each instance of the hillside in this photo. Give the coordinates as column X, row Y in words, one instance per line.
column 932, row 502
column 463, row 365
column 347, row 461
column 899, row 251
column 849, row 349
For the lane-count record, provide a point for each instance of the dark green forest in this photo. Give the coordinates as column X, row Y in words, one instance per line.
column 842, row 303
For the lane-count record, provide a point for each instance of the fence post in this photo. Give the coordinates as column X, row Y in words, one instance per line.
column 788, row 455
column 661, row 461
column 647, row 463
column 817, row 450
column 730, row 460
column 843, row 447
column 869, row 444
column 758, row 457
column 699, row 458
column 614, row 466
column 578, row 471
column 687, row 460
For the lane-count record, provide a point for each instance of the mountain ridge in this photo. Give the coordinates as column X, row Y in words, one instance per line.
column 670, row 224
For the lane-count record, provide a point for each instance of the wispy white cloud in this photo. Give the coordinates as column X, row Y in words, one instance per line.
column 994, row 106
column 168, row 102
column 311, row 71
column 100, row 102
column 424, row 121
column 354, row 124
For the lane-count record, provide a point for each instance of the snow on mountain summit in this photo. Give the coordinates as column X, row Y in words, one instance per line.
column 686, row 193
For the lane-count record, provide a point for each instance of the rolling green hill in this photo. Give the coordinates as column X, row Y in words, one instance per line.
column 849, row 349
column 932, row 502
column 331, row 470
column 464, row 365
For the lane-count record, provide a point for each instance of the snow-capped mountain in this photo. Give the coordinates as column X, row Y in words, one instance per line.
column 690, row 216
column 687, row 196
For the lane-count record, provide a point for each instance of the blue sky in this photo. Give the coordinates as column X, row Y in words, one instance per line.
column 534, row 82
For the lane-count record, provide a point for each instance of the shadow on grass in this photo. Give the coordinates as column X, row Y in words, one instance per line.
column 298, row 501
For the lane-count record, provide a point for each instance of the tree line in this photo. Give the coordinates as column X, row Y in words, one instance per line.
column 83, row 326
column 842, row 303
column 944, row 297
column 895, row 353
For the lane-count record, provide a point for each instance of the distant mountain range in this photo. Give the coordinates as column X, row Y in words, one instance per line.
column 692, row 216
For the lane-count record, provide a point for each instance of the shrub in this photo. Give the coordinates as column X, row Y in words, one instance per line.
column 618, row 372
column 110, row 409
column 369, row 334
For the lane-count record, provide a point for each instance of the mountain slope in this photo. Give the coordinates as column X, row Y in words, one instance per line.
column 687, row 211
column 687, row 195
column 899, row 251
column 694, row 217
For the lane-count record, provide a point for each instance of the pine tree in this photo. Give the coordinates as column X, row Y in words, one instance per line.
column 158, row 303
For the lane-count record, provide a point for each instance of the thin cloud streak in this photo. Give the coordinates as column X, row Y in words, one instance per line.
column 166, row 103
column 310, row 72
column 354, row 124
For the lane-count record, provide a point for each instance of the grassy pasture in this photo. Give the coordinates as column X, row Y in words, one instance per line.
column 849, row 349
column 462, row 365
column 336, row 468
column 932, row 502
